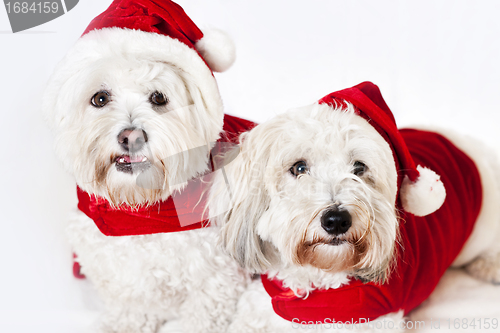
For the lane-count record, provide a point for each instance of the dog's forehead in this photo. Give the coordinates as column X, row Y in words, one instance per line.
column 136, row 70
column 324, row 126
column 127, row 76
column 322, row 134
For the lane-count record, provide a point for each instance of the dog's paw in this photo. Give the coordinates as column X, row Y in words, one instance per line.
column 486, row 268
column 130, row 323
column 172, row 326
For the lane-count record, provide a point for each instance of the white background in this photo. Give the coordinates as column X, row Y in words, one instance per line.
column 436, row 62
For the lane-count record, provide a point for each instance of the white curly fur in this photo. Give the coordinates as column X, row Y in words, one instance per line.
column 149, row 279
column 269, row 214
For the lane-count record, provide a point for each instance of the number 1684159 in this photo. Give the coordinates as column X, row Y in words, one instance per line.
column 35, row 7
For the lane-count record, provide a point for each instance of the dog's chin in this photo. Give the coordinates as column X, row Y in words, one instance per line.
column 132, row 180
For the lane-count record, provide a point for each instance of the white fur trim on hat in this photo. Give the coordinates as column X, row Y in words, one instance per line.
column 113, row 42
column 425, row 195
column 217, row 48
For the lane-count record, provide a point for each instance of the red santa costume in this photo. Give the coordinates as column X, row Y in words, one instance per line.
column 163, row 30
column 434, row 224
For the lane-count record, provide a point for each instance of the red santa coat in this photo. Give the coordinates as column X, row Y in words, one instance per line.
column 429, row 245
column 164, row 216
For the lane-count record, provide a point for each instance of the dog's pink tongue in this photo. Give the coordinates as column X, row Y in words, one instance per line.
column 125, row 159
column 128, row 159
column 136, row 159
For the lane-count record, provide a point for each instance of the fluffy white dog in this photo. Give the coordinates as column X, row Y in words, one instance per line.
column 341, row 210
column 136, row 110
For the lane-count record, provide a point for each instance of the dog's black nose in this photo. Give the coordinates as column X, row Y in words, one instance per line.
column 132, row 139
column 336, row 221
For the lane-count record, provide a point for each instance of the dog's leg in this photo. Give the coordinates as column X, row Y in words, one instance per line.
column 122, row 271
column 205, row 283
column 129, row 321
column 210, row 305
column 172, row 326
column 486, row 267
column 255, row 313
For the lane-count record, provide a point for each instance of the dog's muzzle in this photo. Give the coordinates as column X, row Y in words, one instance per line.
column 132, row 141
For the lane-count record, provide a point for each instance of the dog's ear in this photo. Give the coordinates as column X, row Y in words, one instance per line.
column 59, row 98
column 67, row 93
column 238, row 198
column 209, row 115
column 381, row 267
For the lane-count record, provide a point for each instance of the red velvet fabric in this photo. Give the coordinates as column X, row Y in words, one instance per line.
column 77, row 268
column 429, row 245
column 165, row 216
column 157, row 16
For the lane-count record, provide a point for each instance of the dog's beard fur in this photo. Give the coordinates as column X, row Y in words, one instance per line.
column 272, row 219
column 179, row 133
column 364, row 250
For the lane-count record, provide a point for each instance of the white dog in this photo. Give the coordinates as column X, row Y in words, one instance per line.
column 136, row 110
column 341, row 210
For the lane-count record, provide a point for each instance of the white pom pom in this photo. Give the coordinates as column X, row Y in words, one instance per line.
column 425, row 195
column 217, row 48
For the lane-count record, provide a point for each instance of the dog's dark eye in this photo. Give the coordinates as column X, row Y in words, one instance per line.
column 158, row 98
column 100, row 99
column 359, row 168
column 299, row 168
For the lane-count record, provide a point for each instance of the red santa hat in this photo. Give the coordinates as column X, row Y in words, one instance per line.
column 157, row 30
column 167, row 18
column 420, row 189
